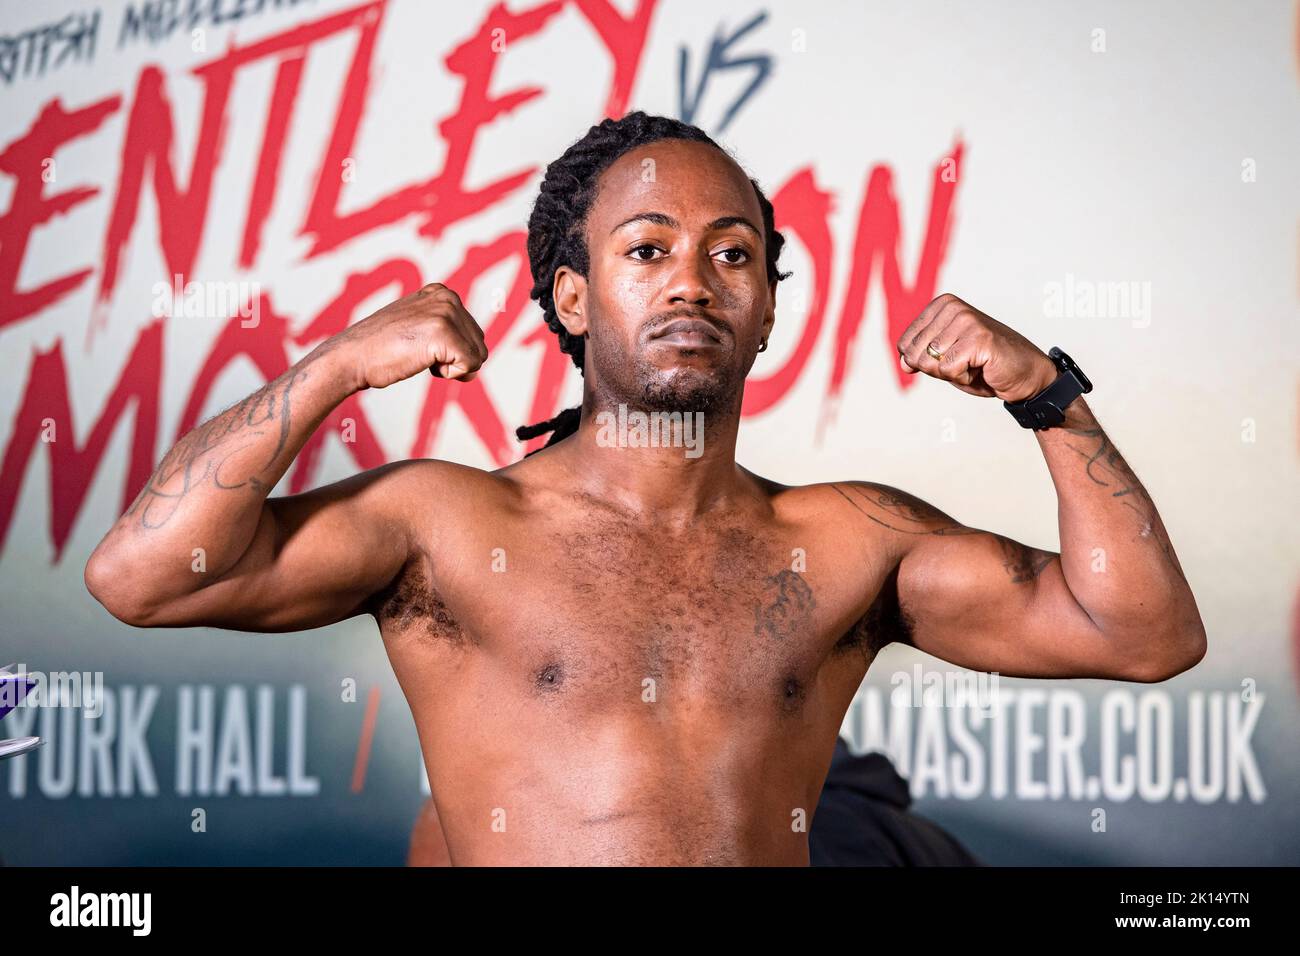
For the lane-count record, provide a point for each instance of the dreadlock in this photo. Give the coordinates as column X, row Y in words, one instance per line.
column 557, row 227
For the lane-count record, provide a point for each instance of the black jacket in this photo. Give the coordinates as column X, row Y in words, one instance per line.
column 863, row 819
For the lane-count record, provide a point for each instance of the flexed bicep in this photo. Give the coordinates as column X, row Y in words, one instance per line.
column 314, row 559
column 979, row 599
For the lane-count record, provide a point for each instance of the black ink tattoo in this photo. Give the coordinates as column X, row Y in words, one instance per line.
column 1106, row 467
column 789, row 610
column 902, row 512
column 201, row 454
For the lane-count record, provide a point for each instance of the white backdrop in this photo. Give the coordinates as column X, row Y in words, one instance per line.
column 1145, row 148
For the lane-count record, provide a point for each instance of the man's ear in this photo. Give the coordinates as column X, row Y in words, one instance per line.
column 569, row 292
column 770, row 318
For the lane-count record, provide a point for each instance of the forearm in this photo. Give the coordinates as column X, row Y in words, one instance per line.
column 1116, row 555
column 199, row 511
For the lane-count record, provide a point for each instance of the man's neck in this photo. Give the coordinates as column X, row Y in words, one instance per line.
column 673, row 467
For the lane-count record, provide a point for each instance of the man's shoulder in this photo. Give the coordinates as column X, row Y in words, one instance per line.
column 429, row 480
column 819, row 493
column 859, row 502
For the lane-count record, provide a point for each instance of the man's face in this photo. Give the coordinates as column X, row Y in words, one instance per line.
column 677, row 297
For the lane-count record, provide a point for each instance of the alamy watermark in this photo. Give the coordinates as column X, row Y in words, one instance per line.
column 208, row 300
column 79, row 689
column 77, row 908
column 638, row 429
column 1085, row 299
column 976, row 690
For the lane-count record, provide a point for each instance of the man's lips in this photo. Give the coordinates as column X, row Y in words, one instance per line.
column 692, row 333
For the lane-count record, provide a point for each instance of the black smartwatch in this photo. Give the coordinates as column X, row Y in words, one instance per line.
column 1047, row 408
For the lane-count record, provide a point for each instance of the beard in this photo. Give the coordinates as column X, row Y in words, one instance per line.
column 683, row 388
column 633, row 378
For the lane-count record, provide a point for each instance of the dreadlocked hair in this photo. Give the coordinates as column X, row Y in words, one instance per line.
column 557, row 227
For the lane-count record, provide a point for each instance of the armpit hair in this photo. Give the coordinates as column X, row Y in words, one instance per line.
column 884, row 623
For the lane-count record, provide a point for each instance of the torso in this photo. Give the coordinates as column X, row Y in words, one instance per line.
column 592, row 689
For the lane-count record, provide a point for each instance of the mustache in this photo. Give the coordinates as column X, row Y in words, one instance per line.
column 660, row 319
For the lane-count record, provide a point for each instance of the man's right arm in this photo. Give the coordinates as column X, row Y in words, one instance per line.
column 203, row 544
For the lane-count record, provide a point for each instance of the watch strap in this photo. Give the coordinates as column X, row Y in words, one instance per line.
column 1047, row 408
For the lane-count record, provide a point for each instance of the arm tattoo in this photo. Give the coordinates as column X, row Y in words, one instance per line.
column 200, row 456
column 901, row 511
column 1106, row 467
column 910, row 515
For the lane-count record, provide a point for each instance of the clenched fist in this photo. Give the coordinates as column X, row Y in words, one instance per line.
column 976, row 353
column 428, row 329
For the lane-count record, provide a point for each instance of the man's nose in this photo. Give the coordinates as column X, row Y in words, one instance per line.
column 689, row 283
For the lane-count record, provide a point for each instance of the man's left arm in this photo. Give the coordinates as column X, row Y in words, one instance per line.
column 1113, row 603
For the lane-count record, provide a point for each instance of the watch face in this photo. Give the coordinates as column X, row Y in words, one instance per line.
column 1067, row 364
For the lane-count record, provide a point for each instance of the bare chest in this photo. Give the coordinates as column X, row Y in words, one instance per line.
column 602, row 613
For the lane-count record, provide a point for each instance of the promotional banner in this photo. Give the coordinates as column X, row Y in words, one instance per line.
column 193, row 195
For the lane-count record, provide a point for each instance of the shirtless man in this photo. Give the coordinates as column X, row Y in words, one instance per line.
column 635, row 655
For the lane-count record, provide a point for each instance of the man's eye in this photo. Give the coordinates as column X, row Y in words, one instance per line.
column 735, row 250
column 646, row 258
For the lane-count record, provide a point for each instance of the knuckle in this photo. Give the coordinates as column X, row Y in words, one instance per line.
column 440, row 295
